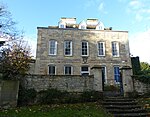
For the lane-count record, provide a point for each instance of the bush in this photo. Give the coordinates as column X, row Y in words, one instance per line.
column 51, row 96
column 88, row 96
column 26, row 96
column 111, row 88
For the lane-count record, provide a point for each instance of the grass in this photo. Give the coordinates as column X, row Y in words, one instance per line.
column 63, row 110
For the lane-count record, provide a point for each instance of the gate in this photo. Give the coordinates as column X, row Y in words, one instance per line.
column 111, row 87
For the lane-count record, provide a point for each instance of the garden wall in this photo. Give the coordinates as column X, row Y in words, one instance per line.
column 70, row 83
column 141, row 87
column 8, row 93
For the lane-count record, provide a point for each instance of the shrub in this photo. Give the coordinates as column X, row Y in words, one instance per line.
column 88, row 96
column 26, row 96
column 51, row 96
column 111, row 88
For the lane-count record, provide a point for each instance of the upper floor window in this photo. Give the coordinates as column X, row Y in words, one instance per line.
column 52, row 70
column 52, row 47
column 68, row 48
column 101, row 48
column 85, row 70
column 115, row 49
column 68, row 70
column 85, row 49
column 117, row 74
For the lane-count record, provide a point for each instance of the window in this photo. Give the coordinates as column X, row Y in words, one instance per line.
column 85, row 70
column 83, row 27
column 101, row 48
column 84, row 48
column 68, row 70
column 68, row 48
column 52, row 70
column 52, row 47
column 104, row 77
column 115, row 49
column 116, row 74
column 62, row 26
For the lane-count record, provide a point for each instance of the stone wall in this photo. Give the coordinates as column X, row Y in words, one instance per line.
column 8, row 93
column 141, row 87
column 70, row 83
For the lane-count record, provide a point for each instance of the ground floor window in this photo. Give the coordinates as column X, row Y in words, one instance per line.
column 116, row 74
column 104, row 77
column 68, row 70
column 85, row 70
column 52, row 70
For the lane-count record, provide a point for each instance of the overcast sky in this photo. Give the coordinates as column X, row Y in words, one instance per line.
column 124, row 15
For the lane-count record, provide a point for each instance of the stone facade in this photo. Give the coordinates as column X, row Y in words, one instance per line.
column 75, row 83
column 92, row 36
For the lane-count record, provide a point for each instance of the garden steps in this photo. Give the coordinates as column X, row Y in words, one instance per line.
column 123, row 107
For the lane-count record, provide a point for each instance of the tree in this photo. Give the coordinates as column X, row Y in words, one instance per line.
column 145, row 67
column 7, row 25
column 16, row 60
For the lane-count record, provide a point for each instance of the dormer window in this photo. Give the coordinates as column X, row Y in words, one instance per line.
column 83, row 27
column 62, row 26
column 100, row 26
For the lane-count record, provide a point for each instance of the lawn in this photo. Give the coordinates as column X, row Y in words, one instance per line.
column 62, row 110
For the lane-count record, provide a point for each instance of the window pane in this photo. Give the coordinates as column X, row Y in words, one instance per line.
column 52, row 47
column 115, row 49
column 52, row 70
column 104, row 73
column 68, row 47
column 116, row 74
column 101, row 49
column 67, row 70
column 84, row 48
column 84, row 69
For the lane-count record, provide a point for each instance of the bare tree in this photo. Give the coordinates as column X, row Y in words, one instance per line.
column 7, row 25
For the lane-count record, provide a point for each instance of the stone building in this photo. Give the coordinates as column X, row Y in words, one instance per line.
column 73, row 49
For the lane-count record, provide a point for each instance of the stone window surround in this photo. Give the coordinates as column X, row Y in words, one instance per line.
column 82, row 72
column 71, row 69
column 115, row 48
column 55, row 47
column 52, row 65
column 70, row 47
column 87, row 49
column 98, row 49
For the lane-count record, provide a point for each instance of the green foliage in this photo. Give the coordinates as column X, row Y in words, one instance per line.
column 63, row 110
column 145, row 68
column 15, row 61
column 26, row 96
column 111, row 88
column 88, row 96
column 51, row 96
column 142, row 78
column 136, row 68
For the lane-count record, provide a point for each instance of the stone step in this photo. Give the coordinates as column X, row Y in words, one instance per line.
column 119, row 100
column 122, row 107
column 120, row 103
column 138, row 110
column 131, row 115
